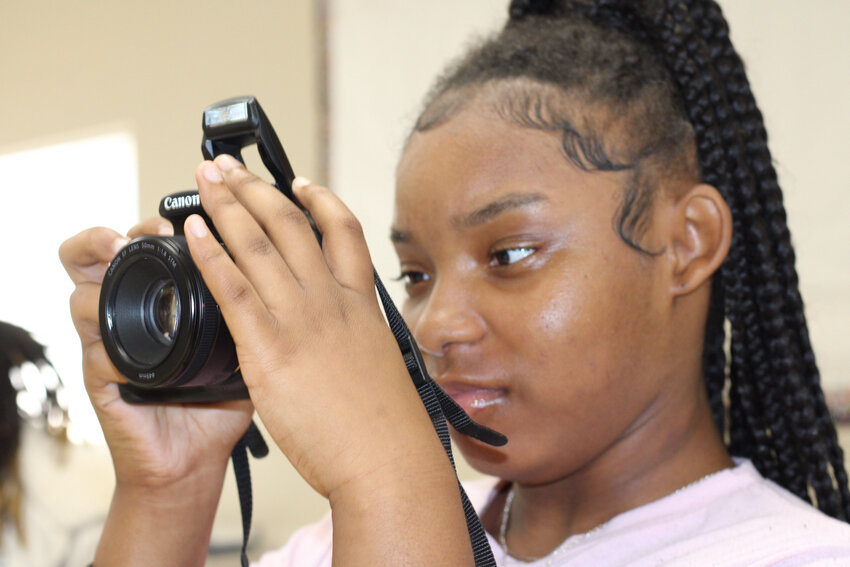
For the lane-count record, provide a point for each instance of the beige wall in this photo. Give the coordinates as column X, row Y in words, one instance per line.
column 72, row 67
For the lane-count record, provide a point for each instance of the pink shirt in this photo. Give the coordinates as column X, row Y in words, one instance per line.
column 734, row 518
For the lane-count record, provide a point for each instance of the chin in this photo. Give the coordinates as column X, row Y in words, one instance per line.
column 487, row 460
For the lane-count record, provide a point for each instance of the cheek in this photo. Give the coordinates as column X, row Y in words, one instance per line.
column 588, row 333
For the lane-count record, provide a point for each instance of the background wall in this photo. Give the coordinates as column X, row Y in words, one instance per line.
column 74, row 68
column 152, row 67
column 71, row 70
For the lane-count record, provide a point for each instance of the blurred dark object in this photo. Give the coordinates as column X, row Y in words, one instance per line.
column 17, row 349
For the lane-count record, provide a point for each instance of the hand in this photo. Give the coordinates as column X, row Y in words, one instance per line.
column 322, row 367
column 151, row 446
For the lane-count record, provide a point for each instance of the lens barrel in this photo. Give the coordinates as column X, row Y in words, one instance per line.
column 159, row 323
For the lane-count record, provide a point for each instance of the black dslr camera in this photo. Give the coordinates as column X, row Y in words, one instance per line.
column 160, row 325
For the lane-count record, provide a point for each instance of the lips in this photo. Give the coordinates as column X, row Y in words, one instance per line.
column 473, row 397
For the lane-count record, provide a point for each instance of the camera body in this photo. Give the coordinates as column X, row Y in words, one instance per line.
column 160, row 325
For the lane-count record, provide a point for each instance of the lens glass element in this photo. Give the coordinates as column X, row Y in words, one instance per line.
column 144, row 311
column 163, row 310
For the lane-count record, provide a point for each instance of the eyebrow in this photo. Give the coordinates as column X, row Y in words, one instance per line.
column 398, row 236
column 482, row 214
column 495, row 208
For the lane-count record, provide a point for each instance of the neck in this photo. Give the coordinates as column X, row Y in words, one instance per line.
column 657, row 455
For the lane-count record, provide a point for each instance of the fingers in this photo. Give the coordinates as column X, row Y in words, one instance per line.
column 99, row 373
column 257, row 221
column 242, row 307
column 85, row 302
column 154, row 225
column 273, row 253
column 286, row 227
column 343, row 242
column 86, row 255
column 251, row 248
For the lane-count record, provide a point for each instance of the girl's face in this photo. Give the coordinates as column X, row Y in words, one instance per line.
column 531, row 311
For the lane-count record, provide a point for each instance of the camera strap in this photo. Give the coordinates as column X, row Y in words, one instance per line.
column 252, row 441
column 442, row 409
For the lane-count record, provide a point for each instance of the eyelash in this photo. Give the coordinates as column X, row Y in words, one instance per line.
column 406, row 277
column 505, row 253
column 413, row 277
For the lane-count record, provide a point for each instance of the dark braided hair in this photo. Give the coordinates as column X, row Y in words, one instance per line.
column 663, row 95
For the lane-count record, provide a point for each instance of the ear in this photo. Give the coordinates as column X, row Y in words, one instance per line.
column 701, row 236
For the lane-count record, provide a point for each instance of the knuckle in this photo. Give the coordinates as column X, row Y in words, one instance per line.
column 91, row 357
column 221, row 199
column 73, row 250
column 350, row 225
column 148, row 226
column 211, row 255
column 238, row 293
column 84, row 315
column 260, row 246
column 291, row 215
column 95, row 360
column 84, row 301
column 65, row 251
column 79, row 303
column 242, row 179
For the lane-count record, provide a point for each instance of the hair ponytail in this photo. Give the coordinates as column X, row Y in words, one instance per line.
column 777, row 416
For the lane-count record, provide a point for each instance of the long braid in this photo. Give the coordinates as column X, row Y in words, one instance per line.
column 671, row 29
column 780, row 467
column 778, row 416
column 823, row 430
column 750, row 374
column 784, row 376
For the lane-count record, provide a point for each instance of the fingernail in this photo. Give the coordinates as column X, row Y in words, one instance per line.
column 165, row 229
column 300, row 182
column 196, row 226
column 119, row 243
column 227, row 162
column 212, row 173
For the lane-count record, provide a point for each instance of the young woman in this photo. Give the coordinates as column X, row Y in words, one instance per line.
column 587, row 221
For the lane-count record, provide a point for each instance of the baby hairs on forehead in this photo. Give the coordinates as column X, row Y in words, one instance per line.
column 655, row 89
column 608, row 97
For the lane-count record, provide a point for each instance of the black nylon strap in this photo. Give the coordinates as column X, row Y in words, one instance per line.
column 253, row 441
column 455, row 414
column 480, row 545
column 440, row 408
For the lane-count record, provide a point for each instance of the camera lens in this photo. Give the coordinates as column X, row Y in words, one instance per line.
column 160, row 325
column 162, row 311
column 145, row 312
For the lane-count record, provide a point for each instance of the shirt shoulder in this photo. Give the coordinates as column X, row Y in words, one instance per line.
column 310, row 546
column 734, row 518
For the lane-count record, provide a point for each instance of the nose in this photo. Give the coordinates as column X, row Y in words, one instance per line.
column 446, row 318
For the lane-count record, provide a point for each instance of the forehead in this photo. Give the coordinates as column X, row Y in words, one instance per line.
column 476, row 158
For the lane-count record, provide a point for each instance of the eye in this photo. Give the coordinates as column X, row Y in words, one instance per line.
column 509, row 256
column 412, row 277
